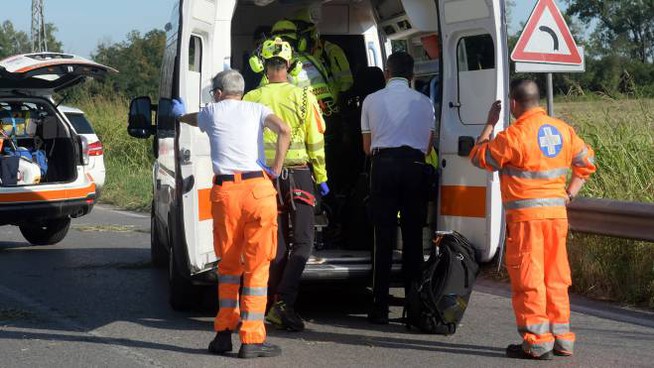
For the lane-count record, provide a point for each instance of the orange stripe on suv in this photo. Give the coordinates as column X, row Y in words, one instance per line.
column 49, row 195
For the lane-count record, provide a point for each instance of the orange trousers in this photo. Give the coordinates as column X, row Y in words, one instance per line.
column 537, row 263
column 245, row 239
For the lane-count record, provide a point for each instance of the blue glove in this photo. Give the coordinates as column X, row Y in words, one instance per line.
column 178, row 108
column 267, row 169
column 324, row 189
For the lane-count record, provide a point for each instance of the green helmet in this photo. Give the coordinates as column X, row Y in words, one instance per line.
column 285, row 29
column 276, row 48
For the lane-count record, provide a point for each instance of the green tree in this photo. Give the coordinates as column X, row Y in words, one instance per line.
column 138, row 60
column 624, row 27
column 13, row 41
column 53, row 44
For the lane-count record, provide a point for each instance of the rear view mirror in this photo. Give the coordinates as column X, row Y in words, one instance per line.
column 140, row 118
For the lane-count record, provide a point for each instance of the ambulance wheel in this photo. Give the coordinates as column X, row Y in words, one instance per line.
column 158, row 252
column 183, row 294
column 48, row 232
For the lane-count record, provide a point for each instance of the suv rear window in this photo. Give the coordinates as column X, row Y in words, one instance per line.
column 81, row 125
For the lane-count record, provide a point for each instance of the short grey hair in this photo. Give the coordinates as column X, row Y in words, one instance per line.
column 230, row 82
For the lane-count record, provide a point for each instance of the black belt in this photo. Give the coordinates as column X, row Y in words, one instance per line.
column 399, row 152
column 219, row 179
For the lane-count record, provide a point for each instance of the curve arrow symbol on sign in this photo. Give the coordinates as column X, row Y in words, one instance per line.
column 551, row 32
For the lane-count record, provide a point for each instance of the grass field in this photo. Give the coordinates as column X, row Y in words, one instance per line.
column 622, row 134
column 620, row 131
column 128, row 161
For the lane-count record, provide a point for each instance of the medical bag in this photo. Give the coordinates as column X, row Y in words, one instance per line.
column 435, row 303
column 8, row 170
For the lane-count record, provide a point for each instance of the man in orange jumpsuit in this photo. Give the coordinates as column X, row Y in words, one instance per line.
column 244, row 208
column 533, row 157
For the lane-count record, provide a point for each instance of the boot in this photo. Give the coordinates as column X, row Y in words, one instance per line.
column 264, row 350
column 222, row 343
column 516, row 351
column 284, row 317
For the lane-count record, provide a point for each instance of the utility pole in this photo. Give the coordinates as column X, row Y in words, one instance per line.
column 39, row 43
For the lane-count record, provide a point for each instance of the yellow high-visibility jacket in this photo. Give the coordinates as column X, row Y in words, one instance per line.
column 316, row 76
column 299, row 108
column 341, row 75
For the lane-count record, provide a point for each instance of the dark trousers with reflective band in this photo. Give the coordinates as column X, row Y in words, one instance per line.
column 295, row 239
column 398, row 183
column 537, row 263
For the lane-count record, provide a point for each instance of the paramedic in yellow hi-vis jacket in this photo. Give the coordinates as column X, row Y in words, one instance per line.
column 298, row 108
column 325, row 67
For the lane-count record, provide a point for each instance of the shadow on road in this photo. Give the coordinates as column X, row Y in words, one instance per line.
column 21, row 335
column 409, row 343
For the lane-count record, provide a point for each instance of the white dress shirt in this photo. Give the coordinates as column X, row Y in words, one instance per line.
column 398, row 116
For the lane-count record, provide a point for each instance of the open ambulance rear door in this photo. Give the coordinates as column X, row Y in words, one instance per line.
column 475, row 73
column 204, row 40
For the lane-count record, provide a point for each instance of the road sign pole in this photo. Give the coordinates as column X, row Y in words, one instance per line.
column 550, row 95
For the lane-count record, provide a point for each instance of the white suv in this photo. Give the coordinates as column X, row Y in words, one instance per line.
column 43, row 176
column 83, row 128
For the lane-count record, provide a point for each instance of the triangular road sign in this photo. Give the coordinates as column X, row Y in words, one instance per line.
column 546, row 38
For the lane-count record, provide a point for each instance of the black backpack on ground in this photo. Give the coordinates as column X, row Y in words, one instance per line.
column 436, row 302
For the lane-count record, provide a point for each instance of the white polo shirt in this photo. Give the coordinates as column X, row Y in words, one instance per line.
column 398, row 116
column 235, row 130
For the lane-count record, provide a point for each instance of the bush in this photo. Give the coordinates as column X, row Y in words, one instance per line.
column 128, row 161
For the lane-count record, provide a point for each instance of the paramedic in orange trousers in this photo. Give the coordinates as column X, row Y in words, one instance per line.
column 244, row 209
column 533, row 157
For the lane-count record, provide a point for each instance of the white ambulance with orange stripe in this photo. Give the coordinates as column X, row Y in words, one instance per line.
column 40, row 196
column 460, row 49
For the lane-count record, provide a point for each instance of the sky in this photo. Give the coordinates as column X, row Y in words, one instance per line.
column 83, row 24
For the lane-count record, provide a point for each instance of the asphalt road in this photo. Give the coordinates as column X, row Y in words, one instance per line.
column 94, row 301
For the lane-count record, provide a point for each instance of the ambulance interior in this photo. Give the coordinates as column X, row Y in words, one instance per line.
column 367, row 31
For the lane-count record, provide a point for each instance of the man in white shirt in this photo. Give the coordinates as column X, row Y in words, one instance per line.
column 397, row 124
column 244, row 209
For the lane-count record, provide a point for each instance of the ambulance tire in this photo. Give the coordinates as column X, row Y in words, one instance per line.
column 158, row 252
column 183, row 295
column 48, row 232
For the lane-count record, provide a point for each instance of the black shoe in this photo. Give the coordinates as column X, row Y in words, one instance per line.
column 264, row 350
column 222, row 343
column 284, row 317
column 378, row 315
column 515, row 351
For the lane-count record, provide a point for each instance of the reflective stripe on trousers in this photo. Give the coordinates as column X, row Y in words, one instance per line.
column 245, row 239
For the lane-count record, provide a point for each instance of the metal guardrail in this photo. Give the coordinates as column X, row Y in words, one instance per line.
column 630, row 220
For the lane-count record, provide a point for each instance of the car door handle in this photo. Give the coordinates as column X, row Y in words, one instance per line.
column 185, row 156
column 455, row 104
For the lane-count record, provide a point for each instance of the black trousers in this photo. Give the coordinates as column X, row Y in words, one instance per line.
column 398, row 183
column 295, row 237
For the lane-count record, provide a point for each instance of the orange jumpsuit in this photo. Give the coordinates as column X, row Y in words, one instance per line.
column 245, row 239
column 533, row 157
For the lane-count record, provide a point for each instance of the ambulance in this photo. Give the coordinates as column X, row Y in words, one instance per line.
column 460, row 48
